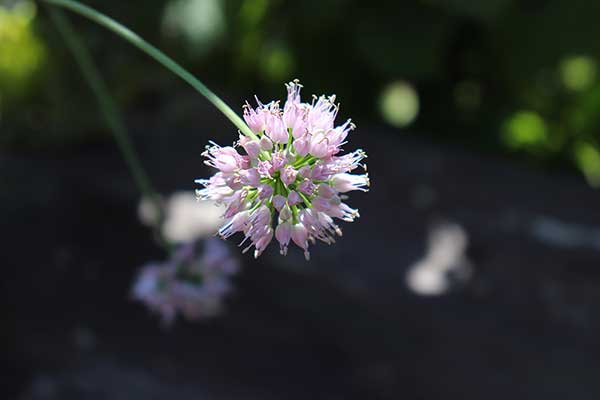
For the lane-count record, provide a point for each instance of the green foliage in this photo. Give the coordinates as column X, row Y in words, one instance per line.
column 22, row 53
column 525, row 130
column 517, row 77
column 587, row 157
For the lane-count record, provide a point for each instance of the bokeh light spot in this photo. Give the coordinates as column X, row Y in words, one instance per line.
column 399, row 104
column 252, row 12
column 21, row 52
column 578, row 73
column 200, row 23
column 587, row 158
column 525, row 129
column 278, row 63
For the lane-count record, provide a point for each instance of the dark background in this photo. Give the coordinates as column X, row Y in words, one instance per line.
column 480, row 114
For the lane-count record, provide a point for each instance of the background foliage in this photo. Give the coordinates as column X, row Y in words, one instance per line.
column 517, row 77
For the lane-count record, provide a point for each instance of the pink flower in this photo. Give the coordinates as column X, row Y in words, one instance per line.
column 302, row 145
column 215, row 188
column 346, row 182
column 289, row 183
column 326, row 191
column 288, row 175
column 321, row 114
column 319, row 145
column 277, row 130
column 294, row 113
column 305, row 171
column 264, row 168
column 236, row 203
column 265, row 144
column 278, row 202
column 265, row 192
column 278, row 160
column 321, row 204
column 294, row 198
column 227, row 159
column 283, row 234
column 252, row 147
column 285, row 214
column 250, row 177
column 193, row 284
column 307, row 187
column 254, row 119
column 235, row 224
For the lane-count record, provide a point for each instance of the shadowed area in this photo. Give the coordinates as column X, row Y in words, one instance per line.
column 345, row 325
column 472, row 272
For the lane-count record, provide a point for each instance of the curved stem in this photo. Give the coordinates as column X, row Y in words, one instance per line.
column 110, row 113
column 159, row 56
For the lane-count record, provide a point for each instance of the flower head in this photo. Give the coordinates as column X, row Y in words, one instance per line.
column 286, row 183
column 191, row 283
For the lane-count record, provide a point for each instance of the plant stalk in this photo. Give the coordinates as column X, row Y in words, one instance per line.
column 156, row 54
column 111, row 115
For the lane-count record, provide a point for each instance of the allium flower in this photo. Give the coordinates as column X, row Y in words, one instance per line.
column 287, row 182
column 190, row 283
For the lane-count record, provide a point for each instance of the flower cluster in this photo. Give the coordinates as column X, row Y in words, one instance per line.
column 191, row 283
column 291, row 176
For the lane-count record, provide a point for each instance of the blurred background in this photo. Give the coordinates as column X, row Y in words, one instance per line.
column 473, row 271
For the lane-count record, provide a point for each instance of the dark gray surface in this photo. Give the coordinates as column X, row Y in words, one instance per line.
column 342, row 326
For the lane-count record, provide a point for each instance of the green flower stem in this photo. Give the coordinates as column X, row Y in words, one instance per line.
column 294, row 214
column 159, row 56
column 110, row 113
column 305, row 199
column 279, row 189
column 253, row 193
column 306, row 160
column 284, row 190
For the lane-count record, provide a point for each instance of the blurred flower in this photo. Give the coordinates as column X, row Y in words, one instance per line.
column 186, row 218
column 191, row 283
column 445, row 262
column 292, row 174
